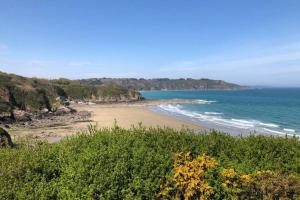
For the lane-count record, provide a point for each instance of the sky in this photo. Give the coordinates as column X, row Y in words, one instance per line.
column 251, row 42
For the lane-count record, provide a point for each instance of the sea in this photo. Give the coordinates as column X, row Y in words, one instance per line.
column 274, row 111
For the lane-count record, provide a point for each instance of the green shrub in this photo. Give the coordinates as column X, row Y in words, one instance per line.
column 130, row 164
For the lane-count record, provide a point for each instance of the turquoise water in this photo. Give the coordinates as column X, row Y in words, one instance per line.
column 271, row 111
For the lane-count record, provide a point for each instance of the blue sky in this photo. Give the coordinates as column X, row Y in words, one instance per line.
column 253, row 42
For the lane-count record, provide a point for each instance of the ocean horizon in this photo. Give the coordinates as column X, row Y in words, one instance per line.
column 271, row 110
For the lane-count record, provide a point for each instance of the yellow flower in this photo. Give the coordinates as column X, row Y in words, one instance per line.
column 228, row 173
column 189, row 175
column 246, row 179
column 258, row 173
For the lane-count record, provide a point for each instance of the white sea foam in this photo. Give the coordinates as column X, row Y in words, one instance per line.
column 269, row 125
column 243, row 121
column 289, row 130
column 230, row 123
column 203, row 101
column 213, row 113
column 216, row 118
column 208, row 116
column 240, row 123
column 256, row 123
column 272, row 131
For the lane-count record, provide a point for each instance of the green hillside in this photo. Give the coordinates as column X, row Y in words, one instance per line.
column 166, row 84
column 33, row 94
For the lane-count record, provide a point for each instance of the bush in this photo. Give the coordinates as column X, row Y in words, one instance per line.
column 131, row 164
column 202, row 178
column 190, row 179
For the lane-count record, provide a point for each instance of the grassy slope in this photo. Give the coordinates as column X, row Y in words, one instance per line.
column 164, row 83
column 35, row 94
column 119, row 164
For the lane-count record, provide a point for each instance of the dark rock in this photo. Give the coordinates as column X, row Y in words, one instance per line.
column 66, row 103
column 21, row 116
column 5, row 139
column 63, row 110
column 61, row 99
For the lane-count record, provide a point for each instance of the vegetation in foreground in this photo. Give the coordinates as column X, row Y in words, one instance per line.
column 154, row 163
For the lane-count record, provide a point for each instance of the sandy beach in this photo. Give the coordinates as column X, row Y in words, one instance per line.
column 104, row 115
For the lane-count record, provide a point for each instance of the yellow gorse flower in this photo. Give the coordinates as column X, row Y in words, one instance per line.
column 258, row 173
column 228, row 173
column 201, row 178
column 189, row 175
column 246, row 179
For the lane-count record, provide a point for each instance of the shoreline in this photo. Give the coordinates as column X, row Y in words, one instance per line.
column 231, row 130
column 104, row 116
column 126, row 115
column 130, row 114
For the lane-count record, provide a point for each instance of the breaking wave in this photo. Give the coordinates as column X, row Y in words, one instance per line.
column 213, row 113
column 218, row 119
column 289, row 130
column 203, row 101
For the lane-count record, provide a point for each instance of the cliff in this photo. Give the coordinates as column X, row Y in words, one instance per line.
column 34, row 95
column 165, row 84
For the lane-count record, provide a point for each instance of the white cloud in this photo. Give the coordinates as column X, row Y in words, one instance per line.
column 268, row 65
column 273, row 65
column 237, row 61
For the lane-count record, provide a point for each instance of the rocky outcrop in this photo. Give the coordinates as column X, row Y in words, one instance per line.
column 20, row 96
column 131, row 96
column 21, row 116
column 120, row 98
column 5, row 139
